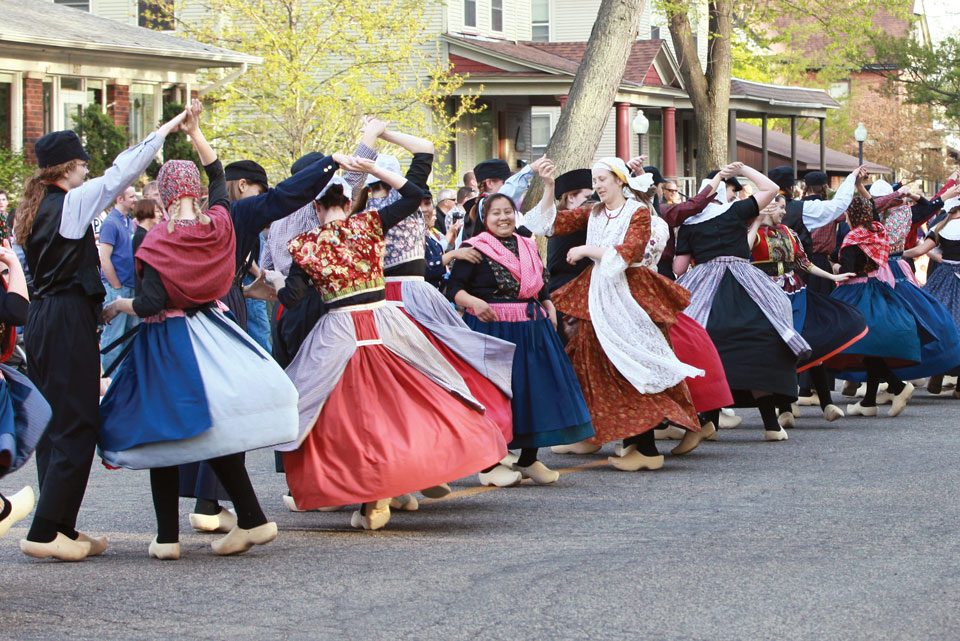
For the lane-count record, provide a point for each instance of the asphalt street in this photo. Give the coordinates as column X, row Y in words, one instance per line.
column 846, row 531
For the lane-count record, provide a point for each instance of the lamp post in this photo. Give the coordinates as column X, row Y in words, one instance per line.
column 860, row 134
column 640, row 126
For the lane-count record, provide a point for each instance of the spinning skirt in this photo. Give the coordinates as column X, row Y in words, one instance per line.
column 816, row 283
column 192, row 388
column 484, row 362
column 548, row 406
column 895, row 334
column 944, row 285
column 382, row 413
column 24, row 415
column 828, row 324
column 693, row 346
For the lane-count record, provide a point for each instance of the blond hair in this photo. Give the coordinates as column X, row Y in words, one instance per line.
column 174, row 213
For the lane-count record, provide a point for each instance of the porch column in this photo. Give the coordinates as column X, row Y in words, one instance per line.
column 823, row 144
column 16, row 112
column 118, row 102
column 765, row 161
column 563, row 101
column 32, row 112
column 623, row 131
column 669, row 115
column 793, row 145
column 732, row 136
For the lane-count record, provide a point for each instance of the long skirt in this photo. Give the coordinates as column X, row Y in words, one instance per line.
column 192, row 388
column 817, row 284
column 828, row 324
column 484, row 362
column 548, row 406
column 382, row 413
column 944, row 285
column 24, row 415
column 895, row 334
column 693, row 346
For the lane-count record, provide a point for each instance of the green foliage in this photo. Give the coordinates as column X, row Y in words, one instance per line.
column 325, row 64
column 102, row 138
column 176, row 146
column 930, row 75
column 14, row 171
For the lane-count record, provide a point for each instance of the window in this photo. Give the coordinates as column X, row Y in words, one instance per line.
column 155, row 14
column 72, row 101
column 496, row 15
column 540, row 11
column 840, row 90
column 143, row 115
column 654, row 33
column 6, row 117
column 48, row 105
column 540, row 125
column 470, row 13
column 83, row 5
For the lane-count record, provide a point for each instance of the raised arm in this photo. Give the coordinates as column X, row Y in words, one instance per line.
column 767, row 190
column 372, row 128
column 544, row 219
column 208, row 157
column 818, row 213
column 83, row 203
column 410, row 194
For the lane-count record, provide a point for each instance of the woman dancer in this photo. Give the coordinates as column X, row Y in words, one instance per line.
column 632, row 380
column 748, row 318
column 894, row 338
column 944, row 283
column 376, row 418
column 505, row 295
column 829, row 325
column 24, row 413
column 195, row 386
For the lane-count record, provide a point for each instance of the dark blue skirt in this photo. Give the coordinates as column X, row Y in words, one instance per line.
column 828, row 324
column 548, row 406
column 944, row 285
column 894, row 335
column 24, row 415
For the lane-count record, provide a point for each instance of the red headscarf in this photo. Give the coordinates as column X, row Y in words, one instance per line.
column 196, row 262
column 865, row 232
column 178, row 178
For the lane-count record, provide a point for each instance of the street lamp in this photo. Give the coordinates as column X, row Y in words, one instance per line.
column 860, row 134
column 640, row 126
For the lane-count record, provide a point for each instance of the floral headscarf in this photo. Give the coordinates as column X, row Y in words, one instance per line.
column 178, row 178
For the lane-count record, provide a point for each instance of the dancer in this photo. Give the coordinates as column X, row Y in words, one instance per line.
column 827, row 324
column 631, row 379
column 505, row 295
column 195, row 386
column 53, row 226
column 416, row 435
column 748, row 318
column 895, row 335
column 24, row 413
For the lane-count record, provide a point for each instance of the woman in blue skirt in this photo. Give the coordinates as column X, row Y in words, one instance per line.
column 895, row 334
column 503, row 288
column 24, row 413
column 194, row 387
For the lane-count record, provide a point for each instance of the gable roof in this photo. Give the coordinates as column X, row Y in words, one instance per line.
column 57, row 27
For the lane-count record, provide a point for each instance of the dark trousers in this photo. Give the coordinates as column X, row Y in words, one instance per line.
column 63, row 361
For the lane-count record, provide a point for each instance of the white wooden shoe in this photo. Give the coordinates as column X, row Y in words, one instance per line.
column 582, row 447
column 538, row 472
column 405, row 503
column 239, row 540
column 62, row 547
column 372, row 516
column 21, row 504
column 856, row 409
column 501, row 476
column 632, row 460
column 780, row 435
column 786, row 420
column 832, row 412
column 224, row 521
column 671, row 432
column 900, row 400
column 164, row 551
column 691, row 439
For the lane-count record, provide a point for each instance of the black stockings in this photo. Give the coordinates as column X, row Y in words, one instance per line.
column 877, row 370
column 768, row 412
column 645, row 443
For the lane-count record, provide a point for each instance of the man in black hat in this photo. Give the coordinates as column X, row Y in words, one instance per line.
column 494, row 177
column 61, row 331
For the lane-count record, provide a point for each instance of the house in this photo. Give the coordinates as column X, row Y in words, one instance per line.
column 57, row 58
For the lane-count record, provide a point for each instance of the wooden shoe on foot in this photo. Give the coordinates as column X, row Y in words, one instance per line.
column 671, row 432
column 500, row 476
column 812, row 400
column 164, row 551
column 62, row 547
column 98, row 544
column 786, row 420
column 239, row 540
column 406, row 503
column 582, row 447
column 832, row 412
column 437, row 491
column 728, row 421
column 775, row 435
column 538, row 473
column 900, row 400
column 223, row 521
column 856, row 409
column 20, row 505
column 691, row 440
column 632, row 460
column 371, row 516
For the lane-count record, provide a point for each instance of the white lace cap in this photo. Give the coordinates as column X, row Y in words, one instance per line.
column 618, row 168
column 336, row 180
column 716, row 207
column 388, row 162
column 881, row 188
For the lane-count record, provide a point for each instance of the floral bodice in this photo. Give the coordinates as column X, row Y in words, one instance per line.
column 778, row 252
column 406, row 241
column 343, row 257
column 897, row 222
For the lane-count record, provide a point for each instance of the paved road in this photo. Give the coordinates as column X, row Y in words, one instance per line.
column 846, row 531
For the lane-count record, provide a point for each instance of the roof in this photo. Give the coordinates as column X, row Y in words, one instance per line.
column 642, row 55
column 54, row 26
column 808, row 153
column 779, row 94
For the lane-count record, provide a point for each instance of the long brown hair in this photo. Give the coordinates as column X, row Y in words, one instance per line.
column 33, row 192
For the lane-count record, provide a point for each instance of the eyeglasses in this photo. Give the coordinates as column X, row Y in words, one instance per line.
column 673, row 190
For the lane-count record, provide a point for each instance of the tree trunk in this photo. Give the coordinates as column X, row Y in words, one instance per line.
column 578, row 132
column 709, row 91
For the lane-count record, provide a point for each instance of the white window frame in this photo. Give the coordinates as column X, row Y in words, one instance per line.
column 493, row 10
column 476, row 13
column 535, row 148
column 548, row 23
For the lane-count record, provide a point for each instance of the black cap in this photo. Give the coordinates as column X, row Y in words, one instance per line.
column 729, row 182
column 494, row 168
column 657, row 176
column 305, row 161
column 247, row 169
column 427, row 194
column 573, row 181
column 58, row 147
column 783, row 176
column 815, row 178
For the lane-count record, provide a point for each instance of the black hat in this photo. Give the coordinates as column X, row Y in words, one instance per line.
column 248, row 169
column 783, row 176
column 815, row 178
column 427, row 194
column 729, row 182
column 58, row 147
column 495, row 168
column 304, row 161
column 657, row 176
column 573, row 180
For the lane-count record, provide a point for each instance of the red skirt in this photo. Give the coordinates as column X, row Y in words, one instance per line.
column 496, row 402
column 693, row 346
column 387, row 430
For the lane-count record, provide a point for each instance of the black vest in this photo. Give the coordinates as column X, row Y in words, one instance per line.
column 794, row 220
column 61, row 265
